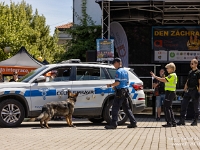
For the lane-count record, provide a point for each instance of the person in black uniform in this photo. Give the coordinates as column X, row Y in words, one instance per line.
column 192, row 91
column 121, row 96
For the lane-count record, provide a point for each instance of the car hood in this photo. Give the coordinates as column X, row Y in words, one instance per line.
column 13, row 85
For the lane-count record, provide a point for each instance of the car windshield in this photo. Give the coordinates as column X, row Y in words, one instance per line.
column 32, row 74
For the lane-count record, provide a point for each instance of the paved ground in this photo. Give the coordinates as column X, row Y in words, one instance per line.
column 148, row 136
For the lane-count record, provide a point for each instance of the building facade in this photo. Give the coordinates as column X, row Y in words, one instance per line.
column 92, row 9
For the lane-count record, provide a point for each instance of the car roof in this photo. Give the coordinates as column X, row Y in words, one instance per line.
column 84, row 65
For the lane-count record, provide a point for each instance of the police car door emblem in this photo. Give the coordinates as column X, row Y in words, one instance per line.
column 44, row 92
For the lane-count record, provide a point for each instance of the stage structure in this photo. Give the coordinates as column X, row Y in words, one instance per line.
column 149, row 12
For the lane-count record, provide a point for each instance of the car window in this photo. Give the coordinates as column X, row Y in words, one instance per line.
column 111, row 72
column 132, row 71
column 89, row 73
column 32, row 74
column 58, row 74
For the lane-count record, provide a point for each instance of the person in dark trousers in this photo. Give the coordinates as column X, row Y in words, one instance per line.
column 121, row 96
column 192, row 91
column 159, row 93
column 170, row 88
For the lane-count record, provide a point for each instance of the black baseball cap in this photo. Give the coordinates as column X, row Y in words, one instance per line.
column 116, row 60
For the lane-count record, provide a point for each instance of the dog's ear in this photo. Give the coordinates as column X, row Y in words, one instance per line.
column 76, row 94
column 69, row 93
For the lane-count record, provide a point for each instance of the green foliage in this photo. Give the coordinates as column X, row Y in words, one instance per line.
column 19, row 26
column 83, row 35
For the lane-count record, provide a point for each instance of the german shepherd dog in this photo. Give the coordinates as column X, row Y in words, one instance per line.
column 59, row 108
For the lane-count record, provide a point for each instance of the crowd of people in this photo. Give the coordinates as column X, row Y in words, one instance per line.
column 165, row 88
column 165, row 92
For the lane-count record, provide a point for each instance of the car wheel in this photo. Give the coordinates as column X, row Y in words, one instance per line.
column 11, row 113
column 96, row 120
column 122, row 117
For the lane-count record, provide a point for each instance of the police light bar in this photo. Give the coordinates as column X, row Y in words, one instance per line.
column 71, row 61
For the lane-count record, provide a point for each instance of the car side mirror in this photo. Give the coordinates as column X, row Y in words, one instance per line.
column 41, row 79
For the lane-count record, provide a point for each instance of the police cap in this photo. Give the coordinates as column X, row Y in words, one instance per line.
column 116, row 60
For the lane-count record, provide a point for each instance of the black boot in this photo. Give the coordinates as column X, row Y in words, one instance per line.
column 181, row 122
column 194, row 123
column 167, row 125
column 132, row 126
column 110, row 127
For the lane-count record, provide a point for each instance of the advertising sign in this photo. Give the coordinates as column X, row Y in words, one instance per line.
column 121, row 42
column 173, row 43
column 105, row 49
column 5, row 70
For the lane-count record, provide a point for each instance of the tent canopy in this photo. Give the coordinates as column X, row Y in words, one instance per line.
column 22, row 62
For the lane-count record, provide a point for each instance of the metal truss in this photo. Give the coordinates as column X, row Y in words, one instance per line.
column 105, row 5
column 149, row 12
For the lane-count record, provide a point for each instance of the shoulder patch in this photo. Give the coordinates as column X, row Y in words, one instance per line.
column 169, row 76
column 116, row 75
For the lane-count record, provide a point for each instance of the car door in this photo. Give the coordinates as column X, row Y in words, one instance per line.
column 91, row 83
column 54, row 88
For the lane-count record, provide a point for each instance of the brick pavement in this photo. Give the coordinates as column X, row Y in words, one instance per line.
column 148, row 136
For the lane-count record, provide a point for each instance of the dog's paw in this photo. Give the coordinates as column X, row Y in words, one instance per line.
column 73, row 126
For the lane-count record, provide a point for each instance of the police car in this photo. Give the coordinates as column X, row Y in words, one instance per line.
column 24, row 99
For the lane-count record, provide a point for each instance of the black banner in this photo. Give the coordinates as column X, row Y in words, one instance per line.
column 173, row 43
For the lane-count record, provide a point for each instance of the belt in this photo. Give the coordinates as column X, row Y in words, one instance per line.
column 122, row 88
column 193, row 88
column 169, row 91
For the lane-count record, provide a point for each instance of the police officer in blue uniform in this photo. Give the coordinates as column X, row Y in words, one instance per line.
column 121, row 96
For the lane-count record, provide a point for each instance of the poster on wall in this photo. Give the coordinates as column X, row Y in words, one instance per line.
column 180, row 43
column 105, row 49
column 160, row 55
column 183, row 55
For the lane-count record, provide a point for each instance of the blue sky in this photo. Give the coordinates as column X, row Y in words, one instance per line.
column 56, row 12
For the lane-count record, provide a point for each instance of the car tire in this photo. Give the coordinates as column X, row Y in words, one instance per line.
column 11, row 113
column 96, row 120
column 122, row 117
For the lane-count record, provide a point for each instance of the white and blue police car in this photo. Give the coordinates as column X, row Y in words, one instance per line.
column 24, row 99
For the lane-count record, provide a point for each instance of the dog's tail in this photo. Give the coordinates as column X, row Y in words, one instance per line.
column 40, row 116
column 42, row 113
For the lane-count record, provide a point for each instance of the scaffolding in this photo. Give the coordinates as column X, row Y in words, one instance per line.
column 152, row 12
column 105, row 5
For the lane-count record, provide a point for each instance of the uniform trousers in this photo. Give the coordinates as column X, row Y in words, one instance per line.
column 169, row 114
column 194, row 95
column 121, row 100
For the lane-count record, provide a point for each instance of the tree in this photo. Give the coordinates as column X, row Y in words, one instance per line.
column 83, row 35
column 19, row 26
